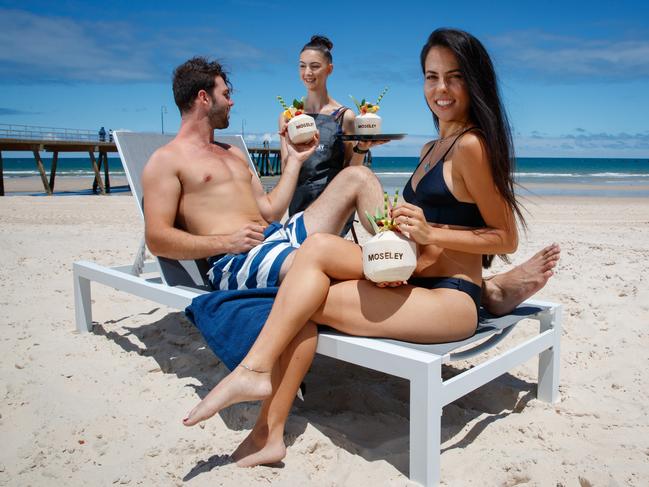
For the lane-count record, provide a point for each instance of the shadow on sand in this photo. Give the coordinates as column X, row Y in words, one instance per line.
column 338, row 396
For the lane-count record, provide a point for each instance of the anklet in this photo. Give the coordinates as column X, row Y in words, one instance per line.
column 254, row 370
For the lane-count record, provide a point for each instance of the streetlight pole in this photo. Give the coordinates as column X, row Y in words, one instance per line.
column 243, row 122
column 163, row 110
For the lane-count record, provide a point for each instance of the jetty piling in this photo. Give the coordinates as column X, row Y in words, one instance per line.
column 268, row 161
column 2, row 177
column 95, row 168
column 41, row 171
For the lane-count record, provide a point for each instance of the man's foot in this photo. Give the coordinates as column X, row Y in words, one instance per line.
column 503, row 292
column 242, row 384
column 258, row 449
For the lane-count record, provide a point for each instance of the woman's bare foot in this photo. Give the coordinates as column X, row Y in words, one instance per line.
column 259, row 449
column 503, row 292
column 241, row 385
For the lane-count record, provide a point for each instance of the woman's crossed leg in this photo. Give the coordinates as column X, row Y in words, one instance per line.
column 351, row 305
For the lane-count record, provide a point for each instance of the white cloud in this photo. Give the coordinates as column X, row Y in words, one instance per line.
column 36, row 49
column 536, row 144
column 11, row 111
column 565, row 58
column 583, row 144
column 579, row 144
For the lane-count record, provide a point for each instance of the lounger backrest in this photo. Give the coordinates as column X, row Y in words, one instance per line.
column 135, row 149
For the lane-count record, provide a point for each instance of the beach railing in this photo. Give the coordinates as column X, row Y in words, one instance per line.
column 33, row 132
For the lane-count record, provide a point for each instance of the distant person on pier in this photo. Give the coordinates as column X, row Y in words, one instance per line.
column 102, row 134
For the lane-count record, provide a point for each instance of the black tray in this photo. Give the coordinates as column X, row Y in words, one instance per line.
column 371, row 137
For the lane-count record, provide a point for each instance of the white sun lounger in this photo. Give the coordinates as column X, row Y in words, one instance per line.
column 176, row 283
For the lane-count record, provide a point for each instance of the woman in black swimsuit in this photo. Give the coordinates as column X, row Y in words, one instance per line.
column 460, row 205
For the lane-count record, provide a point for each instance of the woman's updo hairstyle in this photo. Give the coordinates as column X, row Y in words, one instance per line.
column 322, row 44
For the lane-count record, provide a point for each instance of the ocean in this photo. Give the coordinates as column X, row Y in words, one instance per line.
column 545, row 176
column 540, row 176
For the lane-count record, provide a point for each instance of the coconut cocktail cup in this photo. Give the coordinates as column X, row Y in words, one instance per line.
column 301, row 129
column 300, row 126
column 388, row 256
column 367, row 124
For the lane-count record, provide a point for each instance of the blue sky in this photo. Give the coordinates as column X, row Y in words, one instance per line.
column 574, row 75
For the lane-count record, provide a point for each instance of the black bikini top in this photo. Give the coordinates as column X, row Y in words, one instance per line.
column 436, row 200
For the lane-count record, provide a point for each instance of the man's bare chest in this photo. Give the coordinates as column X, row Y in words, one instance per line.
column 208, row 173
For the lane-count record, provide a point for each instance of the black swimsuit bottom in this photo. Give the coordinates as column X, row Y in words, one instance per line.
column 473, row 290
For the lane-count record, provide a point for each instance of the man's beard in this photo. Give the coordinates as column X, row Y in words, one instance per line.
column 218, row 117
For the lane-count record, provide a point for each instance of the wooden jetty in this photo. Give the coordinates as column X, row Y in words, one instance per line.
column 267, row 160
column 57, row 141
column 57, row 147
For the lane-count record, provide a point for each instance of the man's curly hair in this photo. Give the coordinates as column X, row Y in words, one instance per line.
column 192, row 76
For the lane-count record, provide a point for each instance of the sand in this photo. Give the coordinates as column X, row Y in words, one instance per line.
column 32, row 185
column 105, row 408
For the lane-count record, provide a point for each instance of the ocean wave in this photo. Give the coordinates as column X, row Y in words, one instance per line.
column 543, row 174
column 390, row 173
column 581, row 175
column 547, row 175
column 380, row 173
column 77, row 173
column 619, row 175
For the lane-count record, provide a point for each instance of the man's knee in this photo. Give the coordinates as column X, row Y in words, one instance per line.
column 357, row 174
column 315, row 246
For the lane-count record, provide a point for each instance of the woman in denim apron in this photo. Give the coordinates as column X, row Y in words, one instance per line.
column 332, row 120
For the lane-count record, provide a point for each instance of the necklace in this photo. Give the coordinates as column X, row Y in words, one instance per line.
column 428, row 165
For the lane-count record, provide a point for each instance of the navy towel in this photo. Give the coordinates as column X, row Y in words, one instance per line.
column 230, row 321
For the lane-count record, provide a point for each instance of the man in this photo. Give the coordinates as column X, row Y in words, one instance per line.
column 201, row 201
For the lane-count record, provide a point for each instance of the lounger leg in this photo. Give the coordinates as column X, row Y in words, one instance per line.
column 425, row 423
column 82, row 302
column 549, row 360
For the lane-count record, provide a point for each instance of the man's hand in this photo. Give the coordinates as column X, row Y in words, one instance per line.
column 246, row 238
column 301, row 152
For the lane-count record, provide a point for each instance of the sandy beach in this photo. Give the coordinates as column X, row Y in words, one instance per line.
column 105, row 408
column 32, row 185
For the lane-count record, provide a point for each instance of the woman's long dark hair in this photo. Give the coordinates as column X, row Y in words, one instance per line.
column 486, row 111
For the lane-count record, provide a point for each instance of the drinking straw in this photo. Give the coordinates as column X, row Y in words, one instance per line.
column 386, row 221
column 381, row 95
column 372, row 222
column 281, row 100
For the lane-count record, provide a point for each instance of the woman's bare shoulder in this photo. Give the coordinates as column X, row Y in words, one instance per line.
column 348, row 119
column 425, row 148
column 471, row 148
